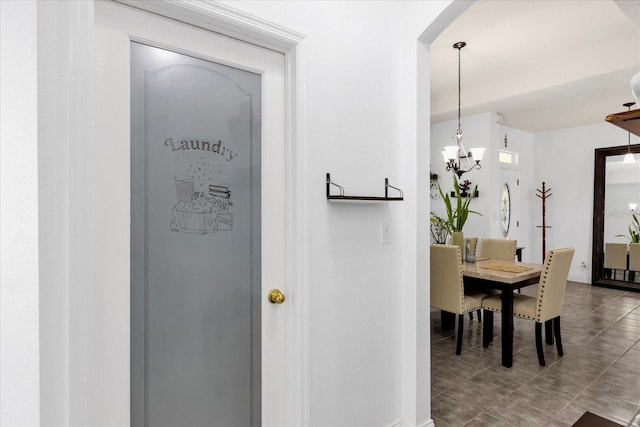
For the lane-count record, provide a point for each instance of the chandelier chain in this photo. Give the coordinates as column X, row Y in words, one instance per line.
column 628, row 105
column 459, row 90
column 629, row 158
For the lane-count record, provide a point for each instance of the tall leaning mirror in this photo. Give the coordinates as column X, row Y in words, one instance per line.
column 616, row 200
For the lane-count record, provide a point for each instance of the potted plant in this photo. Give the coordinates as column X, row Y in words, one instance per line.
column 439, row 228
column 634, row 233
column 457, row 216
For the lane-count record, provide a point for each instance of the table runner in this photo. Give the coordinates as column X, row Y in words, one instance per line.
column 511, row 268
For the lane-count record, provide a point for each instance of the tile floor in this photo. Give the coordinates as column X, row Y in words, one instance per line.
column 600, row 370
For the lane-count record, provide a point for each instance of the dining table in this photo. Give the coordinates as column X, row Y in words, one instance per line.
column 506, row 277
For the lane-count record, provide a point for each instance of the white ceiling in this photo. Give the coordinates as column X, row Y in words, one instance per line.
column 541, row 64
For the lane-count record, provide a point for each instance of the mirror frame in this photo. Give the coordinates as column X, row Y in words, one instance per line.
column 597, row 248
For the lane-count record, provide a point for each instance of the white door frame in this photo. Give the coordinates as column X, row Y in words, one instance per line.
column 68, row 329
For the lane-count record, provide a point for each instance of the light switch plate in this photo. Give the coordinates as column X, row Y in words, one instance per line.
column 385, row 233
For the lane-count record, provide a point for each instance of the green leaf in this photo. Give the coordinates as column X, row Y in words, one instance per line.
column 634, row 230
column 456, row 219
column 439, row 229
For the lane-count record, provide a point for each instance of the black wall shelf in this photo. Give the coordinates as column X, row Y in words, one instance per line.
column 476, row 194
column 342, row 196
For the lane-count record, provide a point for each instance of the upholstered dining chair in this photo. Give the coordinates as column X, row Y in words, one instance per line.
column 447, row 287
column 547, row 305
column 615, row 258
column 634, row 258
column 473, row 244
column 503, row 249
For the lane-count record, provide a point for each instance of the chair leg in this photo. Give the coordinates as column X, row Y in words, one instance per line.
column 460, row 328
column 548, row 331
column 488, row 314
column 539, row 343
column 487, row 329
column 556, row 331
column 491, row 316
column 479, row 315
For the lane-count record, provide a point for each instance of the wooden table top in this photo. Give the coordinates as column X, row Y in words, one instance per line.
column 487, row 270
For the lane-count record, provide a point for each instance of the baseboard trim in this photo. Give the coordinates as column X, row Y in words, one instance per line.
column 400, row 423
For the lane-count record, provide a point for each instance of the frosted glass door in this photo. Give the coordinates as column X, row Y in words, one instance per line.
column 195, row 241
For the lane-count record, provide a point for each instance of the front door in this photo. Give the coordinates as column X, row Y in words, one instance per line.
column 197, row 120
column 510, row 177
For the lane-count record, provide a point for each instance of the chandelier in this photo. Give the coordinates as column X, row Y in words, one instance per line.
column 629, row 158
column 453, row 154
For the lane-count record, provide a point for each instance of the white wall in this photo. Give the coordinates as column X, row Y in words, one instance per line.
column 485, row 130
column 564, row 159
column 19, row 347
column 359, row 71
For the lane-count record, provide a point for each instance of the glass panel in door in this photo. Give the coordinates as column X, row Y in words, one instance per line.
column 195, row 241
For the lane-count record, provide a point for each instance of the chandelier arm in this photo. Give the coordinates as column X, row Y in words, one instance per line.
column 458, row 170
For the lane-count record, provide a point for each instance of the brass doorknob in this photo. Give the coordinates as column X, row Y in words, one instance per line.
column 276, row 296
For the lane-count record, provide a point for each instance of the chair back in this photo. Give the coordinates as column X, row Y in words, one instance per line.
column 447, row 288
column 615, row 256
column 503, row 249
column 553, row 282
column 473, row 244
column 634, row 257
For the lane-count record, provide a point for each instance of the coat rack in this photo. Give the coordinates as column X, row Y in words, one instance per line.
column 544, row 195
column 342, row 196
